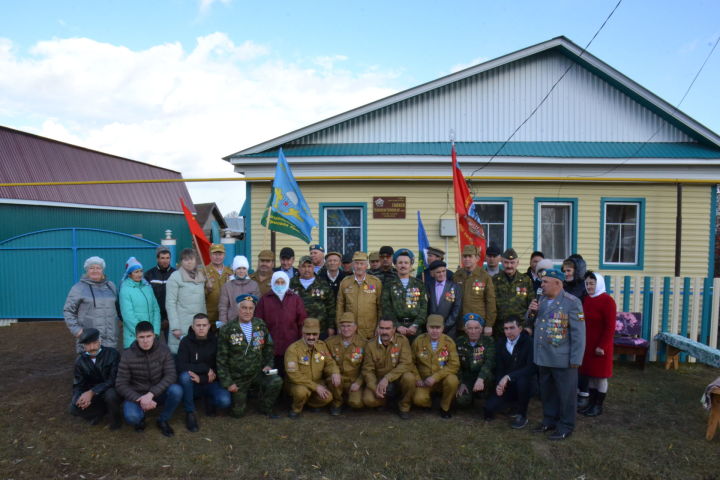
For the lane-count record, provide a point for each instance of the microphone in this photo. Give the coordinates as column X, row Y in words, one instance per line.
column 538, row 295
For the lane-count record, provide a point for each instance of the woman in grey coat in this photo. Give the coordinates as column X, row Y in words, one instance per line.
column 91, row 302
column 184, row 297
column 238, row 284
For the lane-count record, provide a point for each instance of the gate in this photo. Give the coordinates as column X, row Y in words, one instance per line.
column 40, row 267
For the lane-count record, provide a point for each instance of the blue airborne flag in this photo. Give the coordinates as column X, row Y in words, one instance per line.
column 423, row 245
column 289, row 212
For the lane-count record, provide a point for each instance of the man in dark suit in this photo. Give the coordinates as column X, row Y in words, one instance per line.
column 515, row 371
column 444, row 296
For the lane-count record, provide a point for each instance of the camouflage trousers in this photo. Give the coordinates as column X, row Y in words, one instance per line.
column 268, row 387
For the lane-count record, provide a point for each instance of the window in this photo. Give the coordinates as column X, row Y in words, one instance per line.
column 555, row 228
column 622, row 225
column 494, row 217
column 343, row 228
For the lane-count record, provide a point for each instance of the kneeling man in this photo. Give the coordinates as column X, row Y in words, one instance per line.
column 94, row 385
column 388, row 369
column 308, row 363
column 437, row 364
column 477, row 360
column 146, row 377
column 347, row 350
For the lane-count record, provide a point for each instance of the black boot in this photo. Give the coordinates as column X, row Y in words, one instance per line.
column 590, row 403
column 191, row 422
column 210, row 410
column 583, row 401
column 597, row 408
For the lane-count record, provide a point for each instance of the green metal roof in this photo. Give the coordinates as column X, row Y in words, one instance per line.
column 511, row 149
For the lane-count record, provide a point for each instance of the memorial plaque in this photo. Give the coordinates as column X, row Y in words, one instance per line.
column 388, row 207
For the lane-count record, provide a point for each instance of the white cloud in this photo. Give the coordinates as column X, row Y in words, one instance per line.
column 172, row 107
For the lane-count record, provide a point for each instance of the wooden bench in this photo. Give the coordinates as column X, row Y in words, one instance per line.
column 627, row 341
column 676, row 344
column 714, row 418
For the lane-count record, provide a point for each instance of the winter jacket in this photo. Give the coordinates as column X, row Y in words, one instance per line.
column 97, row 376
column 142, row 371
column 197, row 356
column 137, row 304
column 183, row 299
column 284, row 319
column 92, row 304
column 157, row 278
column 576, row 286
column 230, row 291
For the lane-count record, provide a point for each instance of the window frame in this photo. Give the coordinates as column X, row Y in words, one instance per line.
column 508, row 201
column 640, row 234
column 339, row 205
column 573, row 203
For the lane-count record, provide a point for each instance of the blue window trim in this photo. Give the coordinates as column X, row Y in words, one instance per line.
column 571, row 200
column 321, row 214
column 508, row 220
column 641, row 233
column 713, row 226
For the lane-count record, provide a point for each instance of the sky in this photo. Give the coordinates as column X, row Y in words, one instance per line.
column 182, row 83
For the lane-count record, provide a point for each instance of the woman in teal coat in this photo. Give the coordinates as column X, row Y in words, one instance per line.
column 137, row 302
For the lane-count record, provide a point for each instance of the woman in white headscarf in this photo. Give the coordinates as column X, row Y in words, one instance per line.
column 600, row 312
column 91, row 303
column 284, row 314
column 239, row 284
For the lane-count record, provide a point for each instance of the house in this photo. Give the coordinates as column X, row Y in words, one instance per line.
column 211, row 220
column 562, row 152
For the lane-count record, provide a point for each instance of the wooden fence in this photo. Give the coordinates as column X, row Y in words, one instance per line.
column 686, row 306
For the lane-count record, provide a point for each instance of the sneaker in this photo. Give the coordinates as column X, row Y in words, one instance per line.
column 335, row 411
column 404, row 415
column 559, row 436
column 444, row 414
column 519, row 422
column 542, row 428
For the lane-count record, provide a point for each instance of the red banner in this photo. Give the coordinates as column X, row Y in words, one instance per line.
column 202, row 244
column 470, row 231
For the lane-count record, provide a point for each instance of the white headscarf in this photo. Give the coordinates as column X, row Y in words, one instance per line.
column 599, row 285
column 275, row 276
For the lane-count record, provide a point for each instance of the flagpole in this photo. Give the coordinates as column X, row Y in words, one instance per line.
column 202, row 262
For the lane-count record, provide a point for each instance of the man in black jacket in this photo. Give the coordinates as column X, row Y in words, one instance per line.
column 197, row 371
column 515, row 371
column 157, row 277
column 94, row 384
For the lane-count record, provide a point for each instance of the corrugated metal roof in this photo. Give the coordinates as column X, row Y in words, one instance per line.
column 512, row 149
column 25, row 157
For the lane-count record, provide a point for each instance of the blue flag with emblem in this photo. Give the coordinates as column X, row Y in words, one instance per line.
column 423, row 245
column 287, row 210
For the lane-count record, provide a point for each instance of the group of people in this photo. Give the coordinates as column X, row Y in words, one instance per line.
column 372, row 334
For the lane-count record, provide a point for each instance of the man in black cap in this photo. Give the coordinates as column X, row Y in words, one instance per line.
column 94, row 384
column 513, row 291
column 287, row 258
column 492, row 260
column 444, row 296
column 317, row 254
column 157, row 277
column 386, row 271
column 433, row 255
column 347, row 263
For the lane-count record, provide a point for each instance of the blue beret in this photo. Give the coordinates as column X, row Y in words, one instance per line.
column 403, row 251
column 474, row 316
column 555, row 273
column 246, row 296
column 316, row 247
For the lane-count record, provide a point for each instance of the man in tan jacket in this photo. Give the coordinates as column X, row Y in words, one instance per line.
column 360, row 294
column 348, row 351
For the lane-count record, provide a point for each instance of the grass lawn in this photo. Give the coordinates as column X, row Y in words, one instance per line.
column 653, row 427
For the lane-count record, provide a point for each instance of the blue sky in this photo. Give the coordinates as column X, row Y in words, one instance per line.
column 181, row 83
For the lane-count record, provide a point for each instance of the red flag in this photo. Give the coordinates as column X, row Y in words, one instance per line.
column 200, row 240
column 470, row 231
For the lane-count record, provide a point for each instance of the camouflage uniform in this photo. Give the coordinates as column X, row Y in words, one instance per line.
column 349, row 358
column 393, row 361
column 479, row 296
column 306, row 368
column 241, row 363
column 406, row 306
column 212, row 295
column 512, row 297
column 362, row 300
column 442, row 364
column 319, row 301
column 475, row 362
column 384, row 275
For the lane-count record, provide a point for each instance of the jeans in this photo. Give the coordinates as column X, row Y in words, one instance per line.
column 219, row 396
column 171, row 398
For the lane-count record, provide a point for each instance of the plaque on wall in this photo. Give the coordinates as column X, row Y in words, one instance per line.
column 388, row 207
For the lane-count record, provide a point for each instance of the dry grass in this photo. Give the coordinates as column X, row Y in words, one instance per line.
column 653, row 428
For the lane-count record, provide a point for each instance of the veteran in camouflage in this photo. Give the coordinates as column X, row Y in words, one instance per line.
column 317, row 296
column 388, row 369
column 477, row 361
column 310, row 367
column 513, row 291
column 245, row 353
column 348, row 350
column 405, row 304
column 436, row 366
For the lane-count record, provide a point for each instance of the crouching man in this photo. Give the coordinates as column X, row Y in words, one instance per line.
column 146, row 378
column 388, row 370
column 436, row 364
column 347, row 349
column 308, row 363
column 245, row 360
column 197, row 371
column 94, row 392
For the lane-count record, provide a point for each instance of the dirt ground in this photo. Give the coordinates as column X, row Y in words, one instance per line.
column 653, row 428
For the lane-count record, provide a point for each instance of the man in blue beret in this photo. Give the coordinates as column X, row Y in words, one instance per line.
column 559, row 344
column 317, row 254
column 403, row 298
